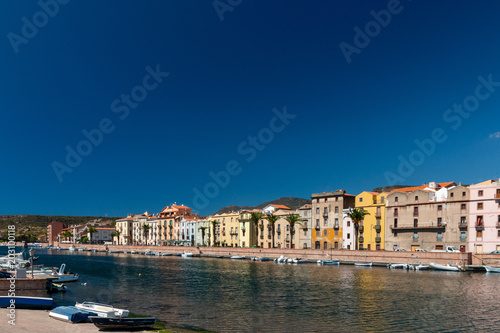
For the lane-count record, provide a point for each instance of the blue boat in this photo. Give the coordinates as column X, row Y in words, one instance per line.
column 71, row 314
column 26, row 302
column 328, row 262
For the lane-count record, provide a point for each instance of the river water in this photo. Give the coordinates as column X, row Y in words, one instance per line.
column 243, row 296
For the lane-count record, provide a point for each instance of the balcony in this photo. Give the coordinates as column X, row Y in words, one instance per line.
column 420, row 227
column 261, row 236
column 325, row 214
column 378, row 227
column 378, row 239
column 480, row 226
column 361, row 228
column 317, row 227
column 361, row 239
column 462, row 225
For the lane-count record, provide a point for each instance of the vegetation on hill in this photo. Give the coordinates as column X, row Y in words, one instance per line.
column 292, row 203
column 390, row 188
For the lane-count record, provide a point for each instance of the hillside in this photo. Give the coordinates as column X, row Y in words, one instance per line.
column 390, row 188
column 293, row 203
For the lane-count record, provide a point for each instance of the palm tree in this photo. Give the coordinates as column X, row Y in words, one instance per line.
column 214, row 224
column 292, row 219
column 255, row 218
column 113, row 235
column 203, row 234
column 118, row 232
column 91, row 230
column 145, row 230
column 356, row 215
column 272, row 221
column 66, row 234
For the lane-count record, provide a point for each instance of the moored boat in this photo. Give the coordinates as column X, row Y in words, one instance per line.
column 363, row 264
column 26, row 302
column 490, row 269
column 58, row 287
column 237, row 257
column 299, row 261
column 447, row 267
column 398, row 266
column 186, row 254
column 102, row 310
column 71, row 314
column 329, row 262
column 140, row 323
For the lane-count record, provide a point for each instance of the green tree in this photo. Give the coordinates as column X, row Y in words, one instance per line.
column 113, row 224
column 255, row 218
column 356, row 216
column 118, row 232
column 203, row 229
column 271, row 218
column 145, row 230
column 214, row 225
column 66, row 234
column 292, row 219
column 91, row 230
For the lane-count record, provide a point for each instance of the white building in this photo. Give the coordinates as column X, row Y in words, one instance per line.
column 272, row 208
column 102, row 235
column 199, row 226
column 348, row 231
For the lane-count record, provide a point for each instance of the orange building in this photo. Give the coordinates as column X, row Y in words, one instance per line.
column 169, row 223
column 53, row 230
column 327, row 215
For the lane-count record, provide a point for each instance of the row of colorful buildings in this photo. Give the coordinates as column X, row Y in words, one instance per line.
column 427, row 217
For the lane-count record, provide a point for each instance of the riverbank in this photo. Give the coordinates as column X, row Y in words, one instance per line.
column 39, row 321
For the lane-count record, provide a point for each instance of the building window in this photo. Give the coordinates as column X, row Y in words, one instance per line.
column 415, row 211
column 463, row 194
column 317, row 210
column 336, row 232
column 452, row 194
column 463, row 206
column 325, row 245
column 360, row 199
column 498, row 233
column 349, row 236
column 326, row 222
column 325, row 232
column 498, row 220
column 440, row 208
column 395, row 223
column 325, row 211
column 336, row 199
column 337, row 223
column 395, row 234
column 462, row 220
column 336, row 245
column 479, row 205
column 317, row 200
column 336, row 209
column 463, row 236
column 396, row 199
column 415, row 236
column 479, row 221
column 415, row 223
column 288, row 227
column 480, row 193
column 479, row 234
column 349, row 223
column 416, row 198
column 395, row 212
column 317, row 245
column 440, row 221
column 326, row 199
column 439, row 236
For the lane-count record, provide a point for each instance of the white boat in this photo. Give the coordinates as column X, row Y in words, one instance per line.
column 447, row 267
column 363, row 264
column 299, row 261
column 132, row 252
column 102, row 310
column 237, row 257
column 186, row 254
column 418, row 267
column 490, row 269
column 398, row 266
column 66, row 278
column 329, row 262
column 72, row 248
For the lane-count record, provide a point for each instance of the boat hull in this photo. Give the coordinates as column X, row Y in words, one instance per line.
column 447, row 268
column 490, row 269
column 71, row 314
column 26, row 302
column 123, row 323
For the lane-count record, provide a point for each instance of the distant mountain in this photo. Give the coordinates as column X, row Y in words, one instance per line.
column 390, row 188
column 291, row 202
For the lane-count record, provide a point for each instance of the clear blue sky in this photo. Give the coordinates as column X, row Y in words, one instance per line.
column 352, row 120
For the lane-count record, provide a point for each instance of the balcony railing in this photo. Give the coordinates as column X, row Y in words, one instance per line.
column 462, row 225
column 336, row 226
column 317, row 227
column 419, row 227
column 378, row 239
column 325, row 214
column 378, row 227
column 480, row 226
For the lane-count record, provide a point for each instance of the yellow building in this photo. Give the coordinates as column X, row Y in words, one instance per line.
column 246, row 231
column 227, row 229
column 371, row 234
column 283, row 237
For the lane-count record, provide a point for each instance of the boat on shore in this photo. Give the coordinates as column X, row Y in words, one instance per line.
column 186, row 254
column 363, row 264
column 447, row 267
column 237, row 257
column 490, row 269
column 102, row 310
column 71, row 314
column 26, row 302
column 260, row 259
column 141, row 323
column 72, row 248
column 329, row 262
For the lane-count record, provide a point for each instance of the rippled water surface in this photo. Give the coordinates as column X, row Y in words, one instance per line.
column 244, row 296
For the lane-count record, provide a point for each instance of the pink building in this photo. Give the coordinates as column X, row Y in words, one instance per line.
column 484, row 217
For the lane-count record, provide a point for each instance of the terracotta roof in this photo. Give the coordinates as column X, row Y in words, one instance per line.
column 100, row 228
column 421, row 187
column 280, row 206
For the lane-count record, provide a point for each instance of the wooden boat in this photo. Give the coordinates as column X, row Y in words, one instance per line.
column 127, row 324
column 363, row 264
column 103, row 310
column 448, row 267
column 329, row 262
column 490, row 269
column 26, row 302
column 71, row 314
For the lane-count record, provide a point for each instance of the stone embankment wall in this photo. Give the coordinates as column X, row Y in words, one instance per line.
column 346, row 255
column 25, row 287
column 486, row 259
